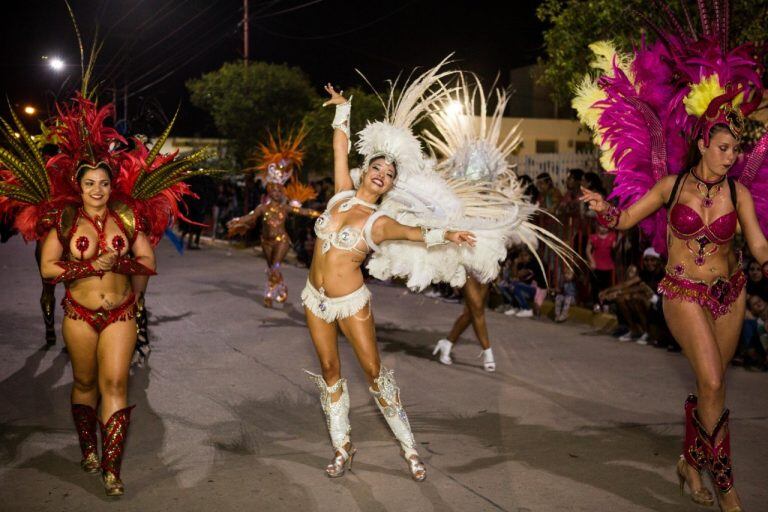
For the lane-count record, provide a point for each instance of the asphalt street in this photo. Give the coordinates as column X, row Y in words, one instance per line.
column 227, row 420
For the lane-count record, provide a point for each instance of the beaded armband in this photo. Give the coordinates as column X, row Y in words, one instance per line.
column 131, row 267
column 432, row 236
column 609, row 217
column 76, row 270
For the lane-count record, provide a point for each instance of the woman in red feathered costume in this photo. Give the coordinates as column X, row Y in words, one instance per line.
column 98, row 207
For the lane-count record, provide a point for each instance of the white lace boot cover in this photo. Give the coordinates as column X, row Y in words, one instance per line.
column 394, row 412
column 336, row 413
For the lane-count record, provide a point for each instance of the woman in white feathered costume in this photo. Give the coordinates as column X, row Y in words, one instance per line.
column 471, row 188
column 335, row 295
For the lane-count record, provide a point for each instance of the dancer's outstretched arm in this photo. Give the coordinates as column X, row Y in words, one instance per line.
column 386, row 228
column 241, row 225
column 644, row 207
column 341, row 178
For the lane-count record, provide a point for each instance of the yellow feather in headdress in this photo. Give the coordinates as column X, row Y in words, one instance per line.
column 587, row 94
column 606, row 55
column 606, row 158
column 701, row 95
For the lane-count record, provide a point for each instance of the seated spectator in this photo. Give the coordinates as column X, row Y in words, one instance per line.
column 633, row 299
column 524, row 286
column 566, row 295
column 752, row 350
column 600, row 248
column 651, row 274
column 757, row 284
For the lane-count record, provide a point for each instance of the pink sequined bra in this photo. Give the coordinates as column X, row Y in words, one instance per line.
column 686, row 223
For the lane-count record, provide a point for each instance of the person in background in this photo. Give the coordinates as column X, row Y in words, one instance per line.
column 599, row 250
column 757, row 284
column 549, row 195
column 566, row 296
column 530, row 188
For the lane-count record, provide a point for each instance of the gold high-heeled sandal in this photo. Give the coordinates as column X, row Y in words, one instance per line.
column 341, row 462
column 701, row 496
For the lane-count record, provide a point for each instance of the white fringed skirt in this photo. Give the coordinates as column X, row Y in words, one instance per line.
column 331, row 309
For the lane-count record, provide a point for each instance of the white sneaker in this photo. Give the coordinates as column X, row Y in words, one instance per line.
column 596, row 308
column 488, row 363
column 627, row 337
column 643, row 340
column 444, row 347
column 511, row 311
column 524, row 313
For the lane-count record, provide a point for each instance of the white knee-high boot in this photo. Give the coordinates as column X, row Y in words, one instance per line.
column 397, row 419
column 337, row 421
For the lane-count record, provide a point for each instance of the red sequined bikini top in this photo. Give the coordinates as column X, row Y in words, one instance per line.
column 686, row 223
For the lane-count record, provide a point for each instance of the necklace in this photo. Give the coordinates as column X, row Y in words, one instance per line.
column 707, row 189
column 347, row 205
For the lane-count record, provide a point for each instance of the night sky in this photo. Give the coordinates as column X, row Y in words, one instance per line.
column 156, row 45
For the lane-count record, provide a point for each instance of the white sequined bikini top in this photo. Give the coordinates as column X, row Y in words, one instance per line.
column 348, row 237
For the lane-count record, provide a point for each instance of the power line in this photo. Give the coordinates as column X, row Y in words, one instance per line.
column 174, row 70
column 177, row 57
column 121, row 56
column 289, row 9
column 338, row 34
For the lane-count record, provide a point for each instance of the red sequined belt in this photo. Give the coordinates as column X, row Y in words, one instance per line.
column 716, row 297
column 100, row 318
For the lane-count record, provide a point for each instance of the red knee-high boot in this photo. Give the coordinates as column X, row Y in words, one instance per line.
column 717, row 448
column 113, row 435
column 85, row 423
column 693, row 455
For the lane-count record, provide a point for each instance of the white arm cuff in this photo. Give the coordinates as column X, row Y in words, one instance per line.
column 341, row 120
column 433, row 237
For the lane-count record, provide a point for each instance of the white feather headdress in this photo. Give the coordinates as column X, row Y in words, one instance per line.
column 393, row 137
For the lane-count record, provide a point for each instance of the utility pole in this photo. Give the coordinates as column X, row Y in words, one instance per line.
column 245, row 32
column 248, row 176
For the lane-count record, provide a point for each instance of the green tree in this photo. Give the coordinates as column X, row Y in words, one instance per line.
column 574, row 24
column 248, row 101
column 319, row 153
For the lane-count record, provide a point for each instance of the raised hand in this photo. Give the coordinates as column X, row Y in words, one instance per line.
column 337, row 98
column 461, row 237
column 594, row 200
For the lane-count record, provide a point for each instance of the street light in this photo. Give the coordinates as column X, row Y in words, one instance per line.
column 30, row 110
column 55, row 63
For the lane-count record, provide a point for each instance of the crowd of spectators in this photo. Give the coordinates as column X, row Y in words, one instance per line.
column 618, row 275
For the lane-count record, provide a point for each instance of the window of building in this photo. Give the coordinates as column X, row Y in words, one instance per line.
column 546, row 146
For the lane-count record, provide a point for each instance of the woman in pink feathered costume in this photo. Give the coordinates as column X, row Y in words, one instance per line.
column 669, row 121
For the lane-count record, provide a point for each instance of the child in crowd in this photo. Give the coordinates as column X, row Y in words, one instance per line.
column 566, row 296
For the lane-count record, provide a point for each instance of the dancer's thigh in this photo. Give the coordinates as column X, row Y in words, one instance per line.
column 694, row 330
column 116, row 345
column 81, row 341
column 728, row 329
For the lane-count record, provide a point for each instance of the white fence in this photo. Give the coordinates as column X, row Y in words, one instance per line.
column 556, row 164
